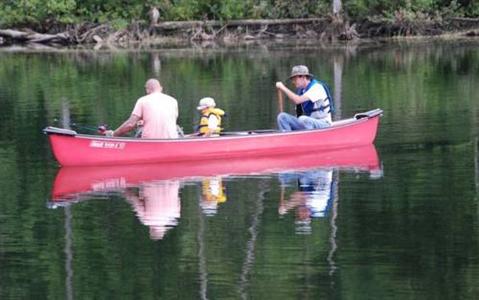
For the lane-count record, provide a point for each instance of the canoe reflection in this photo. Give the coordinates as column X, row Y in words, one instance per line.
column 153, row 190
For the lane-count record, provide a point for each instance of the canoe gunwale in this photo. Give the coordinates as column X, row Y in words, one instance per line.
column 357, row 118
column 60, row 131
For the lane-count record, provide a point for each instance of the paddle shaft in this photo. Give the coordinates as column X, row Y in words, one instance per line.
column 280, row 100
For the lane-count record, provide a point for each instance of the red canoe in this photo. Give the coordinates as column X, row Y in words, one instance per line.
column 72, row 149
column 73, row 183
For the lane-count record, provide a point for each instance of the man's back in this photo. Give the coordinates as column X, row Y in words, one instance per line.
column 159, row 113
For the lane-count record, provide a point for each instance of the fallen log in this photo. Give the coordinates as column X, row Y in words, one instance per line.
column 34, row 37
column 464, row 23
column 466, row 20
column 14, row 34
column 178, row 25
column 47, row 38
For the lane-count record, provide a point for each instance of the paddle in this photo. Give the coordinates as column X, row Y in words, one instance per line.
column 280, row 100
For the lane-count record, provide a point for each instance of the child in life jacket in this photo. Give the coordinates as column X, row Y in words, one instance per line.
column 210, row 120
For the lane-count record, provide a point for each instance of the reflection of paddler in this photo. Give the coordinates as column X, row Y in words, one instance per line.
column 313, row 198
column 157, row 206
column 319, row 187
column 213, row 193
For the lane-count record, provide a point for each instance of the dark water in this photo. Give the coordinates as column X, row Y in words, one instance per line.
column 399, row 221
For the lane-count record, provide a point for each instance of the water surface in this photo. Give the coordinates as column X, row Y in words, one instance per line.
column 401, row 221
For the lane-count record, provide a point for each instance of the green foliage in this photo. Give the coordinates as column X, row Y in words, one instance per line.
column 285, row 9
column 114, row 11
column 182, row 9
column 368, row 8
column 234, row 9
column 231, row 9
column 36, row 11
column 474, row 10
column 122, row 12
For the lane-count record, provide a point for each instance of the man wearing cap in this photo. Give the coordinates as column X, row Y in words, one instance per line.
column 311, row 98
column 157, row 111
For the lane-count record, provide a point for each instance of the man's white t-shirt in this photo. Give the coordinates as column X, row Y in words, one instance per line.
column 159, row 113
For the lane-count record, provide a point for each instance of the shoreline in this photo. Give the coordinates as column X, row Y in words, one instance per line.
column 329, row 30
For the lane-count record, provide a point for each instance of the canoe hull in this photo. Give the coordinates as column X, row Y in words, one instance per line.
column 71, row 149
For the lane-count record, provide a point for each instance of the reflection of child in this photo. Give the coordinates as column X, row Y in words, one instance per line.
column 210, row 121
column 212, row 194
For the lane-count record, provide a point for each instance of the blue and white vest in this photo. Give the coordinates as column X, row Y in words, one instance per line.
column 319, row 109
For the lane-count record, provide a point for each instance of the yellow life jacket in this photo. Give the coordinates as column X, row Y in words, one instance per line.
column 205, row 114
column 213, row 190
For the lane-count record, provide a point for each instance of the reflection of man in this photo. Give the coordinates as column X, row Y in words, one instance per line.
column 212, row 194
column 313, row 198
column 157, row 205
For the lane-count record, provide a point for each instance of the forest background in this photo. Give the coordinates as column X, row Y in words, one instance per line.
column 43, row 14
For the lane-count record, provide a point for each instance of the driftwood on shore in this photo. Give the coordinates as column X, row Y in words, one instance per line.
column 234, row 23
column 186, row 30
column 329, row 27
column 34, row 37
column 80, row 34
column 326, row 28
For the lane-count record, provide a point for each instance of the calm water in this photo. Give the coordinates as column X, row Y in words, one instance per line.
column 396, row 220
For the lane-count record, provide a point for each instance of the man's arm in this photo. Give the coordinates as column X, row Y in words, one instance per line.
column 291, row 95
column 127, row 126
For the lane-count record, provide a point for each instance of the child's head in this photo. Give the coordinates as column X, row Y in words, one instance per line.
column 206, row 103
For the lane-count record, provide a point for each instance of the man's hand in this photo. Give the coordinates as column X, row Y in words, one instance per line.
column 109, row 133
column 280, row 85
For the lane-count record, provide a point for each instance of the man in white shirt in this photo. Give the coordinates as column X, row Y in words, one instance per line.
column 157, row 111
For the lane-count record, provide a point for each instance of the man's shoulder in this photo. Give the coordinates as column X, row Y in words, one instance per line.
column 317, row 87
column 170, row 97
column 317, row 84
column 157, row 96
column 164, row 97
